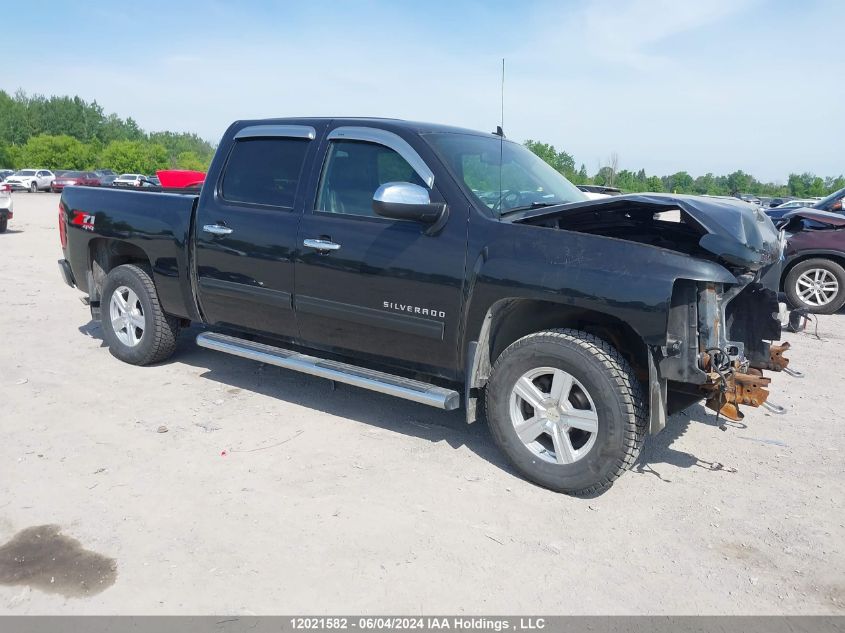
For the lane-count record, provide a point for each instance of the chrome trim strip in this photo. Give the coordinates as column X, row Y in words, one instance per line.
column 388, row 139
column 381, row 382
column 289, row 131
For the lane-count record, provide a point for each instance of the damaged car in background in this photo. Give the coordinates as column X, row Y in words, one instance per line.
column 451, row 268
column 813, row 275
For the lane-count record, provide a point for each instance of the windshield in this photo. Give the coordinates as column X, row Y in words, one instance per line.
column 25, row 172
column 503, row 176
column 827, row 203
column 72, row 174
column 128, row 176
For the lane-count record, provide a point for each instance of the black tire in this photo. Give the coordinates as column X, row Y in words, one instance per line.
column 33, row 187
column 158, row 339
column 4, row 224
column 618, row 398
column 817, row 263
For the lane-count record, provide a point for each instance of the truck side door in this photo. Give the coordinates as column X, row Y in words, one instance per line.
column 384, row 289
column 246, row 230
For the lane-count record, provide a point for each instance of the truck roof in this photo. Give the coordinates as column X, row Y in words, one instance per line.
column 384, row 123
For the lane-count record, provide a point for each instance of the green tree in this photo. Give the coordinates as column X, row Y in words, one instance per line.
column 654, row 184
column 180, row 142
column 680, row 182
column 55, row 152
column 738, row 182
column 562, row 162
column 190, row 160
column 582, row 178
column 705, row 184
column 135, row 157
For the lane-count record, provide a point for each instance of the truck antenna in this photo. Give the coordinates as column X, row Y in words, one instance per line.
column 500, row 131
column 502, row 124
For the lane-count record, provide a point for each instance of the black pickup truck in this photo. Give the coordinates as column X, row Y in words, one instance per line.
column 449, row 267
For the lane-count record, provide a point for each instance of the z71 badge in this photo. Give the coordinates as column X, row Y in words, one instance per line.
column 84, row 220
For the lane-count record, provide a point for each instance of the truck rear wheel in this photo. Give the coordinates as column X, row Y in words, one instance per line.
column 135, row 327
column 567, row 410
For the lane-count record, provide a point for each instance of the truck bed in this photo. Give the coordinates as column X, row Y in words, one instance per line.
column 156, row 223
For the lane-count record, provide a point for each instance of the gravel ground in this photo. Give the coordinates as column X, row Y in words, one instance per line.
column 271, row 493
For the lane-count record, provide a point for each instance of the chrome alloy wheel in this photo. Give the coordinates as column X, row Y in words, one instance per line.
column 817, row 287
column 127, row 316
column 554, row 415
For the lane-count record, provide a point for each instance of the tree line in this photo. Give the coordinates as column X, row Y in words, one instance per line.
column 71, row 133
column 62, row 132
column 805, row 185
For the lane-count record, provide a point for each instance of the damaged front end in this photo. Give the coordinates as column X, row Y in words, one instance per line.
column 720, row 335
column 720, row 339
column 735, row 326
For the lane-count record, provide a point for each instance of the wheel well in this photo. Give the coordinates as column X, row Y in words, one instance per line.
column 106, row 254
column 511, row 319
column 839, row 259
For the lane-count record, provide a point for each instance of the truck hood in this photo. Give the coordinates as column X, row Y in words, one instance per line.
column 735, row 232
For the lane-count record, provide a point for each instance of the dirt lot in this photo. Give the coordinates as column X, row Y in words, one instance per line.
column 271, row 493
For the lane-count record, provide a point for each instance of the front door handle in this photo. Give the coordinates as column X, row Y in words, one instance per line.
column 321, row 245
column 216, row 229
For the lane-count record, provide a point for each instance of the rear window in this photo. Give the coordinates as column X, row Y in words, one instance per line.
column 264, row 171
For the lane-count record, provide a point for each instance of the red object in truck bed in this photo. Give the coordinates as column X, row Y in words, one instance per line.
column 180, row 178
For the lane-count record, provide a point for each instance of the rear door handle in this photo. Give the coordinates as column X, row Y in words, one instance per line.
column 321, row 245
column 216, row 229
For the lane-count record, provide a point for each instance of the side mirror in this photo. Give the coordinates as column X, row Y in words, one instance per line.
column 407, row 201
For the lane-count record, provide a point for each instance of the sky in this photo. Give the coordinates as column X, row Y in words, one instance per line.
column 695, row 85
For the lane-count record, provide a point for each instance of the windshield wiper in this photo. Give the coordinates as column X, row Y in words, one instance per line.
column 533, row 205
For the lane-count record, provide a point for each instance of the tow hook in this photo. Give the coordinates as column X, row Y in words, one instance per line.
column 735, row 388
column 778, row 362
column 774, row 408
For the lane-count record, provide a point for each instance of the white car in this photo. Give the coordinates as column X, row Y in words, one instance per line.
column 796, row 204
column 592, row 195
column 5, row 206
column 129, row 180
column 31, row 180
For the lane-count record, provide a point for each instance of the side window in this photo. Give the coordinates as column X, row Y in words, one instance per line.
column 264, row 171
column 352, row 173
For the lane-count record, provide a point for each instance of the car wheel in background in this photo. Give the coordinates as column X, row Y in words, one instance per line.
column 135, row 327
column 567, row 410
column 817, row 285
column 33, row 187
column 3, row 225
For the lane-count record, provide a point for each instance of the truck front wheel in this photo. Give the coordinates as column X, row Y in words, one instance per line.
column 567, row 410
column 135, row 327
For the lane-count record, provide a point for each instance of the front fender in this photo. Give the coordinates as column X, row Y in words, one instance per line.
column 626, row 280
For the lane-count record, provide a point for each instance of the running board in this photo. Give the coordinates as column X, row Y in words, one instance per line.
column 398, row 386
